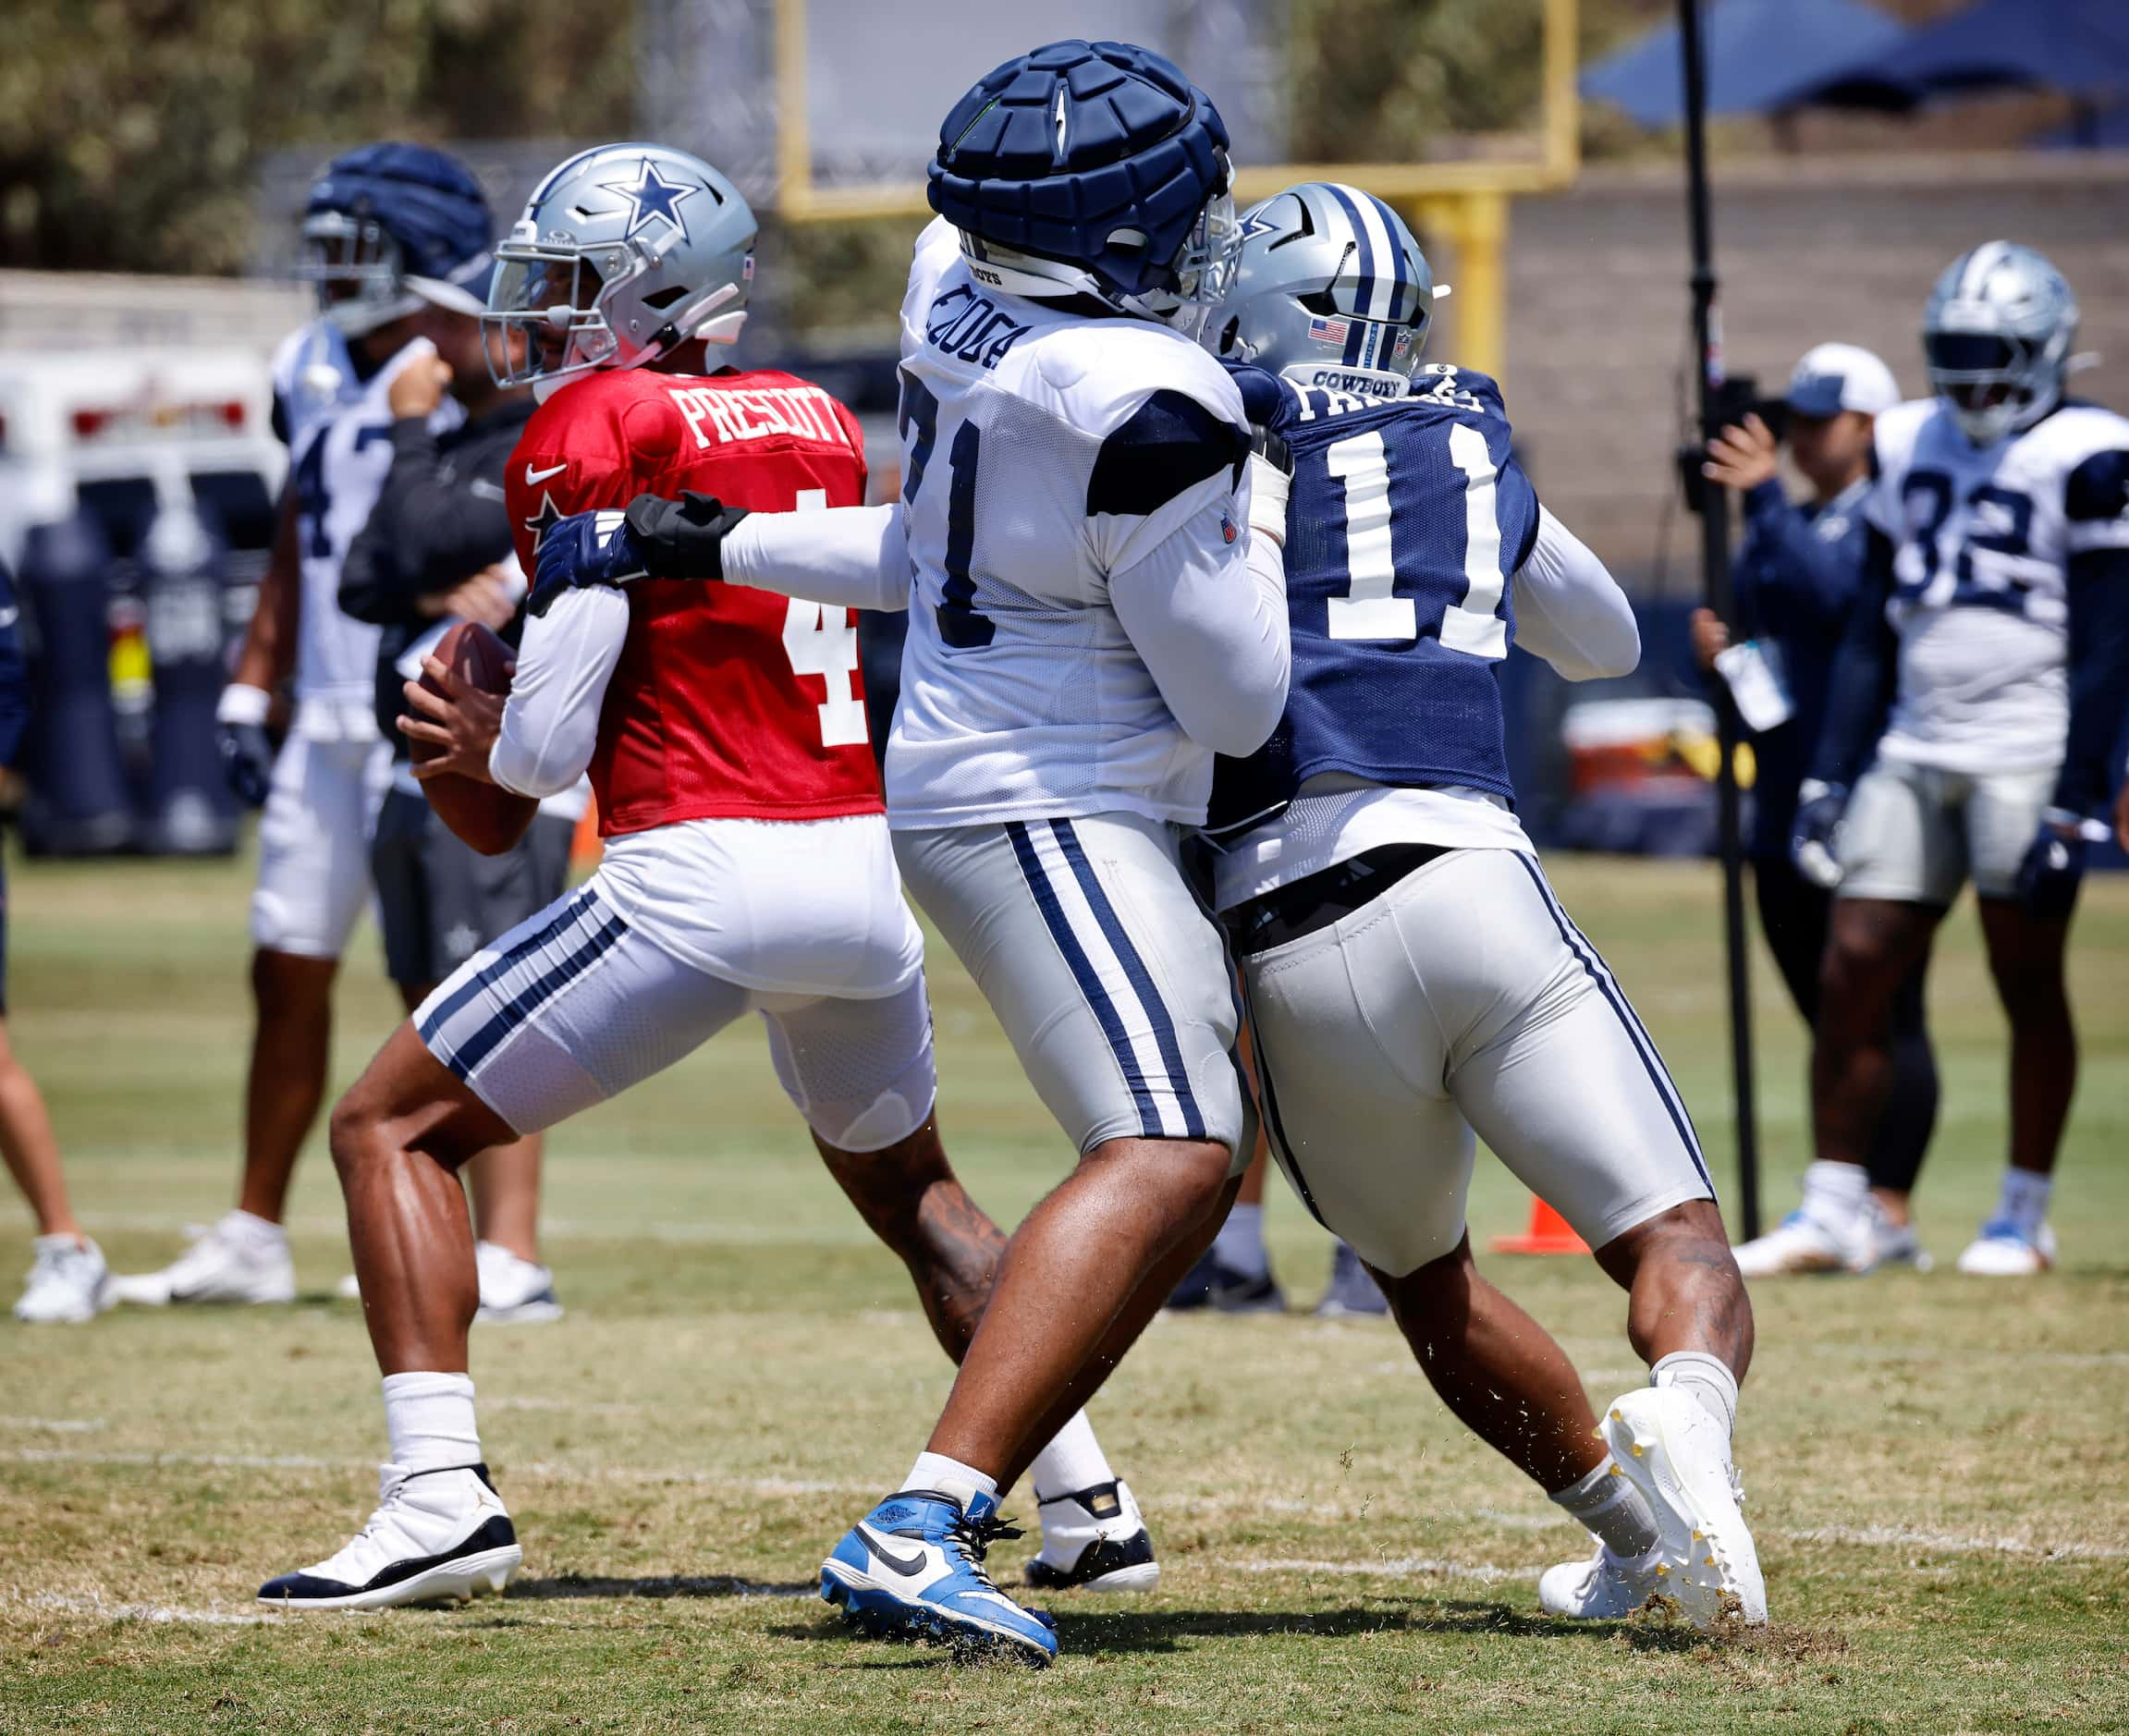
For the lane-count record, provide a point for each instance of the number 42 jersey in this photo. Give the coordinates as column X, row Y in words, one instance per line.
column 1983, row 538
column 1405, row 520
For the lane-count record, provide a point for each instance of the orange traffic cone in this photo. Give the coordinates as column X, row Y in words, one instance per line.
column 1548, row 1233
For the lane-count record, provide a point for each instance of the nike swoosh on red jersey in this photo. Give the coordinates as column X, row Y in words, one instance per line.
column 534, row 478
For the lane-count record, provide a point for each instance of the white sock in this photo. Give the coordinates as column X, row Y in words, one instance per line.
column 253, row 1230
column 949, row 1477
column 1833, row 1194
column 1617, row 1513
column 429, row 1419
column 1069, row 1464
column 2025, row 1200
column 1706, row 1377
column 1239, row 1246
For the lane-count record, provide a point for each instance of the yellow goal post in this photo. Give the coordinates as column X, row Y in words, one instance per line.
column 1463, row 202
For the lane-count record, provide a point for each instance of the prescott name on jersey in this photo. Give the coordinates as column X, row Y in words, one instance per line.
column 723, row 701
column 1983, row 541
column 338, row 428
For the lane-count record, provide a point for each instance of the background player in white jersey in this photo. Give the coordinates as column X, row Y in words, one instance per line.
column 1982, row 683
column 388, row 230
column 1089, row 621
column 1410, row 975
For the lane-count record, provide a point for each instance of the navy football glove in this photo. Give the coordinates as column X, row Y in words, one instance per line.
column 241, row 738
column 2054, row 864
column 1814, row 837
column 586, row 548
column 657, row 538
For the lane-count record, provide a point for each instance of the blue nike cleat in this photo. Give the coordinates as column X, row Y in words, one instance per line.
column 913, row 1569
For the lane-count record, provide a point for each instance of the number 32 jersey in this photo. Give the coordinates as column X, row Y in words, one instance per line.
column 1982, row 538
column 1043, row 452
column 727, row 703
column 1404, row 520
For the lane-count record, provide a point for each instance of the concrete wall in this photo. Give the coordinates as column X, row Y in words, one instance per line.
column 1807, row 249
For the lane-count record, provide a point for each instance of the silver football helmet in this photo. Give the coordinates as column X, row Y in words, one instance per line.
column 1331, row 290
column 1998, row 333
column 624, row 253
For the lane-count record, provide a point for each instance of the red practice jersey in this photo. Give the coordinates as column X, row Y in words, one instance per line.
column 727, row 703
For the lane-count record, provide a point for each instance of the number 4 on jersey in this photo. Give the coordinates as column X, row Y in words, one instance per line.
column 822, row 641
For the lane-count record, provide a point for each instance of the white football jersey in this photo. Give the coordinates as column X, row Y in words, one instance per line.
column 1983, row 537
column 1034, row 468
column 338, row 428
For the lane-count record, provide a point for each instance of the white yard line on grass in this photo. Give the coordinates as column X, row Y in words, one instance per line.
column 54, row 1425
column 94, row 1604
column 1398, row 1566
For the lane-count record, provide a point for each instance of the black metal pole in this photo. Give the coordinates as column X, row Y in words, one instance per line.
column 1714, row 555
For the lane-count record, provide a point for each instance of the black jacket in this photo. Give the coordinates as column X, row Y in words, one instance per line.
column 439, row 520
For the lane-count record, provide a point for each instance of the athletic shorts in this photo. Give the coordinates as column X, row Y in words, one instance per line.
column 1461, row 998
column 573, row 1006
column 314, row 844
column 1915, row 833
column 439, row 901
column 1111, row 981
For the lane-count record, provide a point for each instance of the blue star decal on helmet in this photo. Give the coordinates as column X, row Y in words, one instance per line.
column 1257, row 223
column 651, row 195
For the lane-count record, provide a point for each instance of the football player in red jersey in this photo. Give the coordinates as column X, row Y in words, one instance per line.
column 748, row 866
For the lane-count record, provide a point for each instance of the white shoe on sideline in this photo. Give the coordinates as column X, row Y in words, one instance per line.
column 514, row 1291
column 1896, row 1244
column 438, row 1537
column 2002, row 1250
column 1802, row 1244
column 231, row 1261
column 1674, row 1451
column 69, row 1283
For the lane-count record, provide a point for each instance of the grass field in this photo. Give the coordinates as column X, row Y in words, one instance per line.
column 1938, row 1468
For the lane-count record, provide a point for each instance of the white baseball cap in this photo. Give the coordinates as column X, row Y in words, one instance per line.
column 1834, row 377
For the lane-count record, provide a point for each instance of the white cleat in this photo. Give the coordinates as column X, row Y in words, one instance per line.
column 514, row 1291
column 69, row 1283
column 1802, row 1244
column 1704, row 1559
column 232, row 1261
column 1094, row 1539
column 2002, row 1250
column 1896, row 1244
column 438, row 1537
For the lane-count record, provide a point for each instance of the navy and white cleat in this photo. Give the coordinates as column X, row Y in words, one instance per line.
column 1210, row 1284
column 912, row 1569
column 1094, row 1539
column 438, row 1537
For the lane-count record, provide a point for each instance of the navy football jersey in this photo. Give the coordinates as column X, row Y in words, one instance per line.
column 1405, row 520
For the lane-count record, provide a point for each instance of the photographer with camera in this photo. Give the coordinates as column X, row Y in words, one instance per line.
column 1796, row 576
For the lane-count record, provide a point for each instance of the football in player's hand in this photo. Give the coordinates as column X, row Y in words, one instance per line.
column 486, row 815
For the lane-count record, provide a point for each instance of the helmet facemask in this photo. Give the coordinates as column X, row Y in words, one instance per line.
column 1996, row 383
column 357, row 270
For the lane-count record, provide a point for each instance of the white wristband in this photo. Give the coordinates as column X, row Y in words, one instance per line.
column 1267, row 491
column 243, row 703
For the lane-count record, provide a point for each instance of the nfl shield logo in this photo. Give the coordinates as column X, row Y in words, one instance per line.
column 1327, row 331
column 1227, row 530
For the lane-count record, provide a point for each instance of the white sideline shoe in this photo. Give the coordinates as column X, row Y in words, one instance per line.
column 1703, row 1559
column 230, row 1261
column 69, row 1283
column 1095, row 1539
column 1896, row 1244
column 1802, row 1244
column 2002, row 1250
column 438, row 1537
column 514, row 1291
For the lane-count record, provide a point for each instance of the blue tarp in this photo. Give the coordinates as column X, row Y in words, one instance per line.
column 1756, row 50
column 2077, row 46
